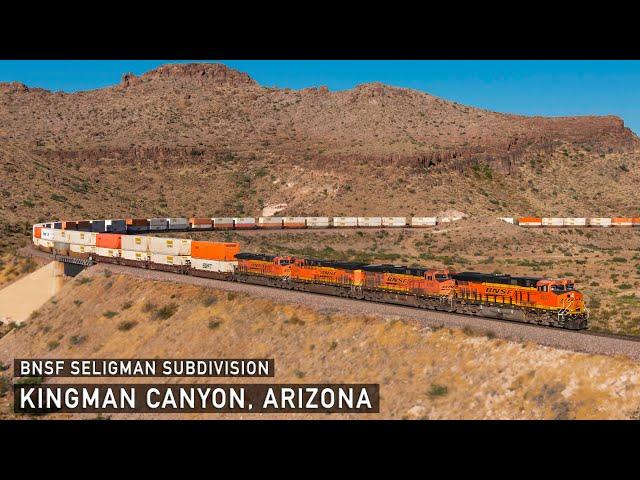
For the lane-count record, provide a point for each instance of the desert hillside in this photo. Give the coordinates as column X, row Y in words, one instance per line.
column 423, row 373
column 207, row 140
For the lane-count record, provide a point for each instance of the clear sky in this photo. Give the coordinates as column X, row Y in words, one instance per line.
column 552, row 88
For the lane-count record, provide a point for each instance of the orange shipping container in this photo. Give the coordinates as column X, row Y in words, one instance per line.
column 109, row 240
column 636, row 221
column 215, row 250
column 200, row 221
column 38, row 232
column 622, row 222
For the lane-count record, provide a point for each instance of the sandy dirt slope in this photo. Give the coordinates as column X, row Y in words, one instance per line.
column 423, row 372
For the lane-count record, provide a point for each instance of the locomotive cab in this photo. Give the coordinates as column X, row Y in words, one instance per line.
column 561, row 294
column 558, row 286
column 439, row 281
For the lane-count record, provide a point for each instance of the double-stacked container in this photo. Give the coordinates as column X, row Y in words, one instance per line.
column 178, row 223
column 394, row 221
column 170, row 251
column 244, row 223
column 369, row 222
column 553, row 222
column 214, row 259
column 137, row 225
column 600, row 222
column 421, row 222
column 294, row 222
column 157, row 224
column 200, row 223
column 116, row 226
column 109, row 245
column 270, row 222
column 621, row 222
column 222, row 223
column 345, row 222
column 530, row 221
column 575, row 222
column 318, row 222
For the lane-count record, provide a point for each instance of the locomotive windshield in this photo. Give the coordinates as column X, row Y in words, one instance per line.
column 441, row 277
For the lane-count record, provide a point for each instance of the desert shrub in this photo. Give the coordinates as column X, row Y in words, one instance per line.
column 110, row 314
column 53, row 344
column 77, row 303
column 84, row 280
column 209, row 300
column 126, row 325
column 167, row 311
column 127, row 305
column 107, row 273
column 213, row 324
column 34, row 314
column 437, row 390
column 77, row 339
column 232, row 296
column 149, row 307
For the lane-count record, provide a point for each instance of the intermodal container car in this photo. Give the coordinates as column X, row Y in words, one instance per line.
column 552, row 222
column 81, row 238
column 369, row 222
column 98, row 226
column 116, row 226
column 575, row 222
column 394, row 221
column 213, row 265
column 270, row 222
column 108, row 252
column 157, row 224
column 345, row 222
column 200, row 223
column 162, row 259
column 137, row 225
column 135, row 243
column 318, row 222
column 530, row 221
column 621, row 222
column 84, row 225
column 178, row 223
column 82, row 251
column 294, row 222
column 636, row 221
column 222, row 223
column 69, row 225
column 244, row 223
column 135, row 256
column 599, row 222
column 420, row 222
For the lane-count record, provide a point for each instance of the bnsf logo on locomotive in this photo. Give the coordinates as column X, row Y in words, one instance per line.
column 498, row 291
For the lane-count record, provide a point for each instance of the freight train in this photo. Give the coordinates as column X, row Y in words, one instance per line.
column 542, row 301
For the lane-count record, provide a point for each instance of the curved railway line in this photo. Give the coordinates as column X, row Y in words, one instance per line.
column 584, row 341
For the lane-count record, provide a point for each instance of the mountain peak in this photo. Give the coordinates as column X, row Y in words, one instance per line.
column 200, row 73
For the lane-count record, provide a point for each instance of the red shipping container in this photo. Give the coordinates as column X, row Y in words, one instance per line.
column 109, row 240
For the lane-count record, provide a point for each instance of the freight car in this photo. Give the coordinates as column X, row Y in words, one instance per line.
column 525, row 299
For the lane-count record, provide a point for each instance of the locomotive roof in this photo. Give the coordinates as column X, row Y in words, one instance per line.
column 255, row 256
column 493, row 278
column 400, row 269
column 316, row 262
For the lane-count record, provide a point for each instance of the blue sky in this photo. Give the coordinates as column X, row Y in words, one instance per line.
column 525, row 87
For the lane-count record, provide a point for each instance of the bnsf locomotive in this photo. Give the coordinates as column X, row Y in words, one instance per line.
column 524, row 299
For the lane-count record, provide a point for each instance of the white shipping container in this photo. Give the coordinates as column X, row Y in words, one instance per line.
column 177, row 223
column 394, row 221
column 47, row 234
column 213, row 265
column 553, row 222
column 46, row 243
column 507, row 219
column 162, row 259
column 369, row 221
column 137, row 256
column 135, row 243
column 317, row 222
column 599, row 222
column 81, row 238
column 270, row 222
column 423, row 221
column 82, row 248
column 244, row 222
column 157, row 224
column 107, row 252
column 345, row 222
column 575, row 222
column 170, row 246
column 222, row 222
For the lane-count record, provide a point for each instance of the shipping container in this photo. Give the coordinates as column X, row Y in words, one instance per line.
column 116, row 226
column 138, row 222
column 369, row 222
column 82, row 249
column 170, row 246
column 158, row 224
column 270, row 222
column 81, row 238
column 553, row 222
column 621, row 222
column 530, row 221
column 318, row 222
column 345, row 222
column 135, row 256
column 244, row 223
column 47, row 234
column 394, row 221
column 70, row 225
column 162, row 259
column 575, row 222
column 57, row 225
column 599, row 222
column 214, row 250
column 109, row 240
column 84, row 225
column 178, row 223
column 213, row 265
column 62, row 248
column 135, row 243
column 294, row 222
column 37, row 232
column 98, row 226
column 200, row 223
column 636, row 221
column 222, row 223
column 108, row 252
column 423, row 221
column 508, row 220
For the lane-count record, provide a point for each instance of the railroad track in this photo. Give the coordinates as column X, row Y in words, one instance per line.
column 584, row 341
